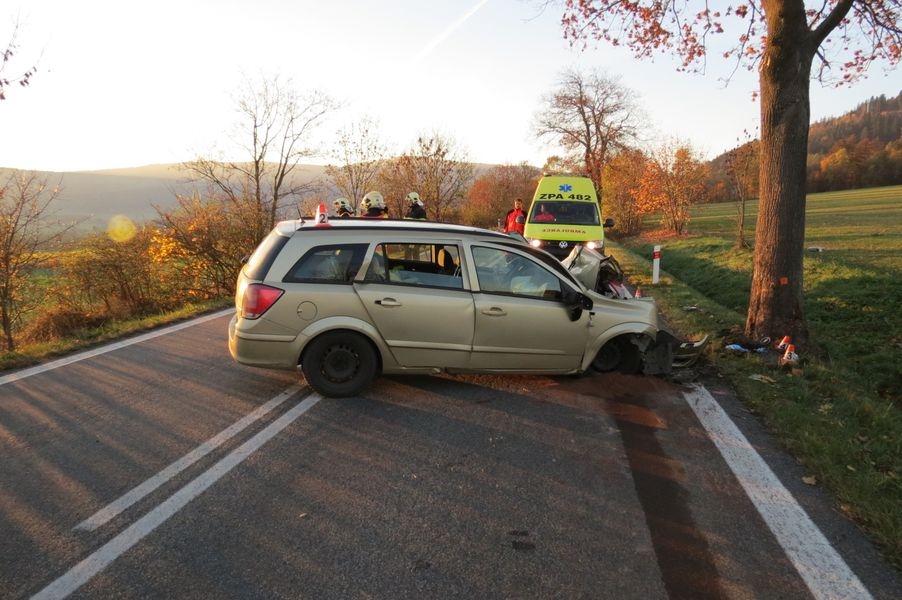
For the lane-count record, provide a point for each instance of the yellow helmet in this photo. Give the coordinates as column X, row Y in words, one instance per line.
column 414, row 198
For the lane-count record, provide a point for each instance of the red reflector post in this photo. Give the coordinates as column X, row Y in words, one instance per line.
column 257, row 299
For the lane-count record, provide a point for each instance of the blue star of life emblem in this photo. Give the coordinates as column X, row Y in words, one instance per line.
column 565, row 187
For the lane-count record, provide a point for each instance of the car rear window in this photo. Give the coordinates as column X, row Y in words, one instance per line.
column 337, row 263
column 263, row 257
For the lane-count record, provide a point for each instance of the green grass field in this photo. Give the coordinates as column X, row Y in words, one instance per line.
column 840, row 411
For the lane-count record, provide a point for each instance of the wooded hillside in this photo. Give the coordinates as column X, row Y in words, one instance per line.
column 860, row 149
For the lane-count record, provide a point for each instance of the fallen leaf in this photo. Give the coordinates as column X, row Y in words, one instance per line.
column 810, row 480
column 762, row 378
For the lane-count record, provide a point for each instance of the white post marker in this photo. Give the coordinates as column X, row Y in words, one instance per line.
column 656, row 265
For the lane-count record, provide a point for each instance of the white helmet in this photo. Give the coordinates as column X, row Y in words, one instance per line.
column 341, row 202
column 372, row 200
column 414, row 198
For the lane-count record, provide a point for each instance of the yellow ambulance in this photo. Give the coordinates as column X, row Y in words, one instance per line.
column 565, row 213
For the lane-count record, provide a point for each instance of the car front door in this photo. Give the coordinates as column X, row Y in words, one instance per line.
column 522, row 323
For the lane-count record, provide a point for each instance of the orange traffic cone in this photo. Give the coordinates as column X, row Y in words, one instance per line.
column 638, row 292
column 784, row 343
column 790, row 357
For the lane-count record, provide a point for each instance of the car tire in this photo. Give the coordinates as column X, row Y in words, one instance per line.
column 619, row 354
column 339, row 364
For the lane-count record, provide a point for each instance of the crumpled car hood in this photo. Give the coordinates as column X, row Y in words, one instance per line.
column 584, row 264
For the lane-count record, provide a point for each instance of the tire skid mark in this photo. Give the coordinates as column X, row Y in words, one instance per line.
column 688, row 567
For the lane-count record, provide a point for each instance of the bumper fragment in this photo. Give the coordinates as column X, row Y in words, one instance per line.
column 669, row 352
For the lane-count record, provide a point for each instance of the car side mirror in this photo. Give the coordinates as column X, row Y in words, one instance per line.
column 576, row 303
column 609, row 222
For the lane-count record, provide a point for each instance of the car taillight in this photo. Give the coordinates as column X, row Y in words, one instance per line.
column 257, row 299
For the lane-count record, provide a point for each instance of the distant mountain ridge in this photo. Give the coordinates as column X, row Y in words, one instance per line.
column 91, row 198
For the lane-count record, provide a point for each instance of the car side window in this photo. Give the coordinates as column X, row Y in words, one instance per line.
column 505, row 272
column 420, row 264
column 328, row 264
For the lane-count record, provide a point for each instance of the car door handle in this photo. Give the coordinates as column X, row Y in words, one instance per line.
column 495, row 311
column 388, row 302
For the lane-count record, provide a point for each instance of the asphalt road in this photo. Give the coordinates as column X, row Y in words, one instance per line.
column 158, row 468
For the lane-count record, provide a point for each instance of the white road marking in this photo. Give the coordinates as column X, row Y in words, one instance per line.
column 109, row 552
column 824, row 571
column 113, row 509
column 68, row 360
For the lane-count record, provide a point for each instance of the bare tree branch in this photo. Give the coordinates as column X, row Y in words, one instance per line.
column 591, row 116
column 25, row 231
column 6, row 57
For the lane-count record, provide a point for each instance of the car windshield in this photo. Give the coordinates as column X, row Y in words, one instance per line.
column 572, row 213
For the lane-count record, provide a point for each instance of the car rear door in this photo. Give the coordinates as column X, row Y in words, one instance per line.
column 426, row 319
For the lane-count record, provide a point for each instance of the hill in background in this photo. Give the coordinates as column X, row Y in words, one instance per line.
column 92, row 197
column 859, row 149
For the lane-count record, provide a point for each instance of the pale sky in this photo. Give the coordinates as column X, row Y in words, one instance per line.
column 127, row 84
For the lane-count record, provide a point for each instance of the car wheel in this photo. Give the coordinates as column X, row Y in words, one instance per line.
column 339, row 364
column 619, row 354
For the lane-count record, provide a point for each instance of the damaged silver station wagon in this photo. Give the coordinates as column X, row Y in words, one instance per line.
column 346, row 300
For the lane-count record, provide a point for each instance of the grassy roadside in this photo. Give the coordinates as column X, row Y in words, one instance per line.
column 840, row 411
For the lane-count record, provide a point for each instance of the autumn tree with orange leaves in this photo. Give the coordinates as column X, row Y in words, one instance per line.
column 622, row 179
column 673, row 180
column 493, row 194
column 788, row 42
column 436, row 167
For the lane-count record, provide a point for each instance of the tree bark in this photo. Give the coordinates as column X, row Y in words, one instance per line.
column 776, row 303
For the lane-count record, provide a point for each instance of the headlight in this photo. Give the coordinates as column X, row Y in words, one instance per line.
column 535, row 243
column 596, row 245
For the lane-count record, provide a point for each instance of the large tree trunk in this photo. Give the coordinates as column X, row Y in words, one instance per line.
column 775, row 304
